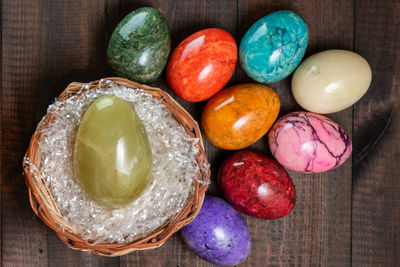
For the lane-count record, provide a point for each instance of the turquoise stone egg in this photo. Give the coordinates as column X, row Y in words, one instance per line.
column 140, row 45
column 112, row 154
column 273, row 46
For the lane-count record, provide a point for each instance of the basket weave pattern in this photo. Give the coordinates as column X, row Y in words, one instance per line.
column 44, row 206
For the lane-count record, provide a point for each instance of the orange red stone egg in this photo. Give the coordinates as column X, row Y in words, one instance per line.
column 202, row 64
column 240, row 115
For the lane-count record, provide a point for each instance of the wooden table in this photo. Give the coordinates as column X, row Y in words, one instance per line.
column 348, row 216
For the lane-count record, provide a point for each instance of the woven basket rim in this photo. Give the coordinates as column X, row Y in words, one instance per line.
column 45, row 208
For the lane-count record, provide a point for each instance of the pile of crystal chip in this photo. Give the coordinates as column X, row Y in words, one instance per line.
column 174, row 168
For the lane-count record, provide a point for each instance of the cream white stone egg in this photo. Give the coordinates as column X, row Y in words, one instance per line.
column 331, row 81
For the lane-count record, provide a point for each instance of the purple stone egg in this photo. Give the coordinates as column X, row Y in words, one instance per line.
column 218, row 234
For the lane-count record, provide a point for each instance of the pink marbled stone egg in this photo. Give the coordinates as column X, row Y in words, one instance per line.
column 308, row 142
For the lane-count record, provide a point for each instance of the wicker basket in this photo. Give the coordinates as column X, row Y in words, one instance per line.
column 43, row 205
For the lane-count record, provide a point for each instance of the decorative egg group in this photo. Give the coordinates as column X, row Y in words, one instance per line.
column 199, row 67
column 202, row 64
column 331, row 81
column 308, row 142
column 140, row 45
column 112, row 155
column 218, row 234
column 273, row 46
column 256, row 185
column 240, row 115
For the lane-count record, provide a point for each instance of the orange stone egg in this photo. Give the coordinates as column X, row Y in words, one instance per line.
column 240, row 115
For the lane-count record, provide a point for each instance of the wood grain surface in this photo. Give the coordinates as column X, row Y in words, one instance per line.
column 347, row 216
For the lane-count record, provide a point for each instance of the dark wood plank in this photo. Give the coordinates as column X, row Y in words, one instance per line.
column 47, row 44
column 1, row 131
column 376, row 187
column 317, row 232
column 23, row 236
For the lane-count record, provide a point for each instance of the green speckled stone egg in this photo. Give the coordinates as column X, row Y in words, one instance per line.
column 140, row 45
column 112, row 154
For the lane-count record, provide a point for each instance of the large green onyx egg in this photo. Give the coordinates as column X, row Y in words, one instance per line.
column 140, row 45
column 112, row 155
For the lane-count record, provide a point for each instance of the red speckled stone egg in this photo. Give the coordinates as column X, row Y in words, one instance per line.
column 257, row 185
column 202, row 64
